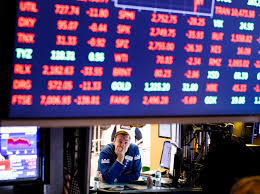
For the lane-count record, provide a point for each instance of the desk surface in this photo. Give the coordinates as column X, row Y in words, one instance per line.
column 119, row 188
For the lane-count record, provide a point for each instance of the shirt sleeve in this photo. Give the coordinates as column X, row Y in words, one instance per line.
column 135, row 173
column 110, row 171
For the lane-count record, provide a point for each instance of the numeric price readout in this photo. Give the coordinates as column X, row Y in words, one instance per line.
column 104, row 58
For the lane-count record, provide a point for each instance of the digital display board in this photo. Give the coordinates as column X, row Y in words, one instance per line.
column 19, row 155
column 128, row 58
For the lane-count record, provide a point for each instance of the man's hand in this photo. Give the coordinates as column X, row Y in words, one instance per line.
column 121, row 143
column 120, row 152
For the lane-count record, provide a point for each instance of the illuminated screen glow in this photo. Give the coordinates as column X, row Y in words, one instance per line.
column 18, row 153
column 166, row 155
column 103, row 58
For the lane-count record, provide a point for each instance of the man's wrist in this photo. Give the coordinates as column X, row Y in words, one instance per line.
column 120, row 159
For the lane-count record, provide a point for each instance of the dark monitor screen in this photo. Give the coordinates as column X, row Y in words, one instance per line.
column 166, row 155
column 19, row 154
column 104, row 58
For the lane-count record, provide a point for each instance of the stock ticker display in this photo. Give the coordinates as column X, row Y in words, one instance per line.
column 128, row 58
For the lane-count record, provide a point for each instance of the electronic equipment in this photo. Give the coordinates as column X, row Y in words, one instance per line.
column 166, row 155
column 108, row 59
column 19, row 154
column 172, row 159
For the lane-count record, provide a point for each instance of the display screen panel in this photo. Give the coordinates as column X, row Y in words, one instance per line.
column 19, row 154
column 104, row 58
column 166, row 155
column 165, row 131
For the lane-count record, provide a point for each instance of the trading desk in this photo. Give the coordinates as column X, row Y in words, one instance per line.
column 134, row 188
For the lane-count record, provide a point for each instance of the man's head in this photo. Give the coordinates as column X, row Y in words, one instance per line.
column 247, row 185
column 122, row 140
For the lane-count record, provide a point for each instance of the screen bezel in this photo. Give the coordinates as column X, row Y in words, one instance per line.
column 6, row 54
column 71, row 122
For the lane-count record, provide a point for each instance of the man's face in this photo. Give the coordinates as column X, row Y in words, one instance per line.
column 122, row 142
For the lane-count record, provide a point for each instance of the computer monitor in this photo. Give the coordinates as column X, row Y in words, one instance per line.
column 19, row 154
column 165, row 130
column 166, row 155
column 171, row 159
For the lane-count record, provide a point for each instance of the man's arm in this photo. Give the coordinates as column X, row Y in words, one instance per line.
column 135, row 173
column 110, row 171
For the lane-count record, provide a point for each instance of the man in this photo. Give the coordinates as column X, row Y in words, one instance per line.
column 247, row 185
column 120, row 161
